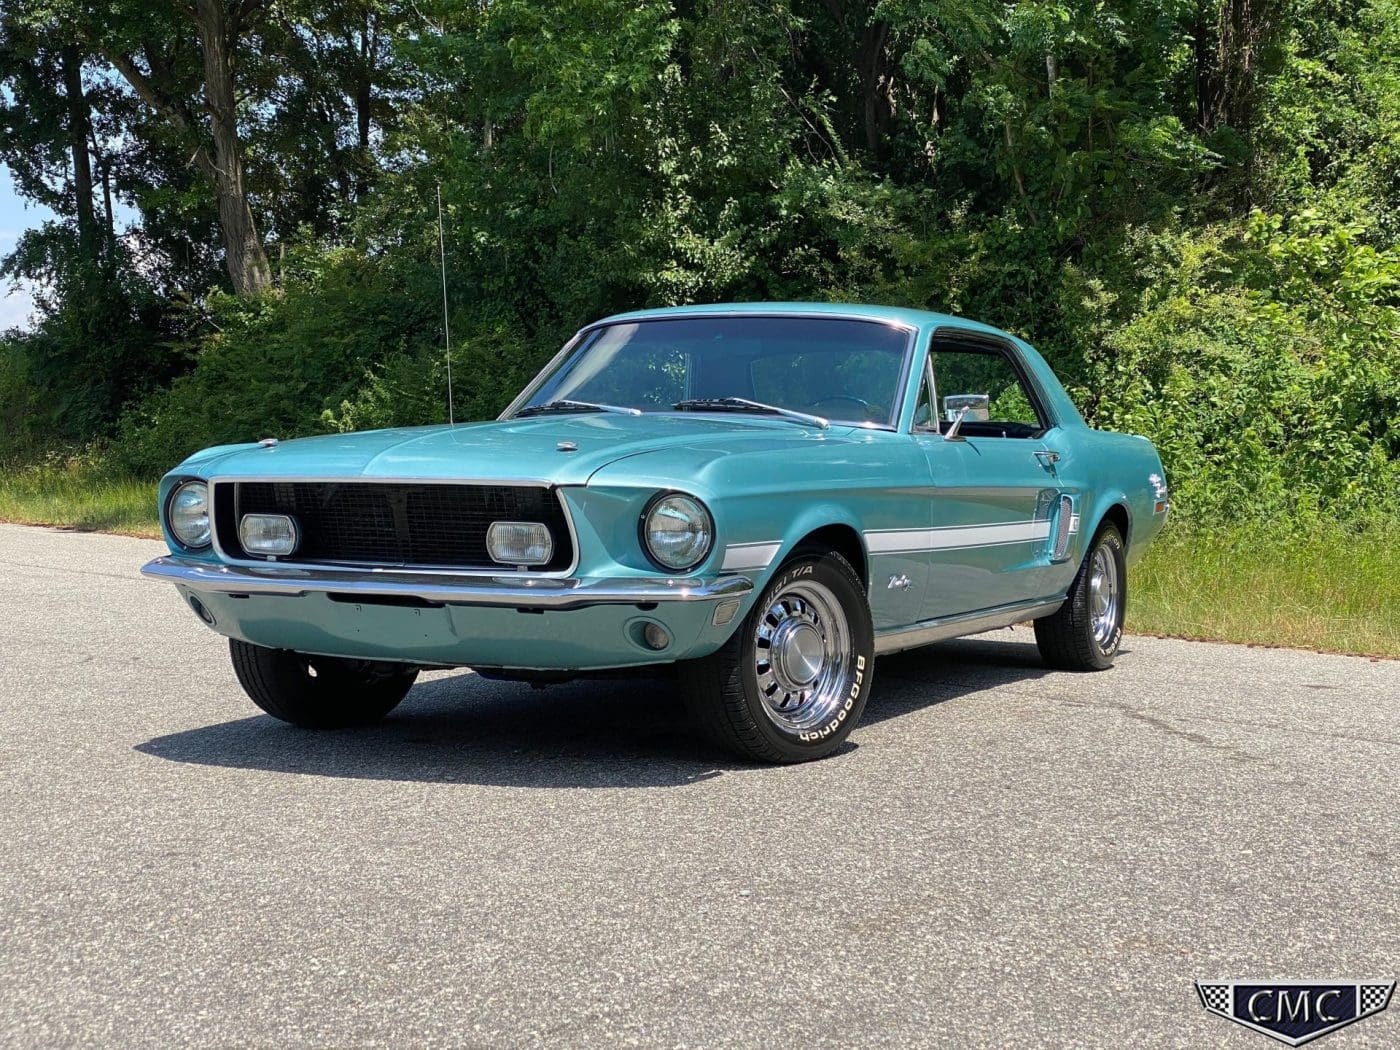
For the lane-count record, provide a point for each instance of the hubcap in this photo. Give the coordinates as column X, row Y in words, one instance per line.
column 1104, row 596
column 802, row 649
column 798, row 652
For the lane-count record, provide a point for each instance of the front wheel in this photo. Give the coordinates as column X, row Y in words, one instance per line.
column 791, row 683
column 319, row 692
column 1085, row 633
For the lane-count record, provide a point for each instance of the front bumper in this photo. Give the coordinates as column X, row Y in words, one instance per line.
column 443, row 618
column 443, row 588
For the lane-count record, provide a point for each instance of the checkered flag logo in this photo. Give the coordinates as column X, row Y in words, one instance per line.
column 1374, row 998
column 1215, row 997
column 1295, row 1012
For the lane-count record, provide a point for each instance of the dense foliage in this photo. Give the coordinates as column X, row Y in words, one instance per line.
column 1192, row 210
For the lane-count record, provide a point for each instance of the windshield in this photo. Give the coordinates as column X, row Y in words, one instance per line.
column 843, row 370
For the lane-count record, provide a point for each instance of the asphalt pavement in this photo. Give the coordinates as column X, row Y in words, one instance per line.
column 1002, row 856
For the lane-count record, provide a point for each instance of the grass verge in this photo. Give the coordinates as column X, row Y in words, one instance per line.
column 78, row 495
column 1323, row 587
column 1308, row 586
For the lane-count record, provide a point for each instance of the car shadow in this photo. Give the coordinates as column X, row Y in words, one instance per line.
column 919, row 678
column 622, row 733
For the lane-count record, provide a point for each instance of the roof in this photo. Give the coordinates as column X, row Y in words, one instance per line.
column 923, row 319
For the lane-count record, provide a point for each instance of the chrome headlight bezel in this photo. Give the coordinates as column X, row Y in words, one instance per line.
column 694, row 509
column 199, row 541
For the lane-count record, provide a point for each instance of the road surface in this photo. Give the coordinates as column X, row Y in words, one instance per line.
column 1002, row 856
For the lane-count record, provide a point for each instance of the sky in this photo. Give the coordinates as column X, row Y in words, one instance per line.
column 16, row 216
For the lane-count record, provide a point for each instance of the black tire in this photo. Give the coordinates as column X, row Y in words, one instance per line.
column 319, row 692
column 1067, row 639
column 723, row 691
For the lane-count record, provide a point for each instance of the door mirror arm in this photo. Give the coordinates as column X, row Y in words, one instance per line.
column 953, row 434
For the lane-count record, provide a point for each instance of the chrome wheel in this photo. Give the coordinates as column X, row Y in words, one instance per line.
column 1105, row 596
column 802, row 650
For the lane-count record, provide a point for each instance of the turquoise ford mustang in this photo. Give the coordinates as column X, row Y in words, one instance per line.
column 766, row 496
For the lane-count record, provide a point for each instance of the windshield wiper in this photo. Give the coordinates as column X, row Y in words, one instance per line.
column 576, row 406
column 743, row 404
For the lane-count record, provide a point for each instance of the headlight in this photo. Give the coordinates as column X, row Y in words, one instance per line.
column 268, row 535
column 678, row 532
column 187, row 514
column 519, row 543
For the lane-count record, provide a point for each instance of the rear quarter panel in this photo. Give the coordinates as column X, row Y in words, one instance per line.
column 1106, row 469
column 1114, row 470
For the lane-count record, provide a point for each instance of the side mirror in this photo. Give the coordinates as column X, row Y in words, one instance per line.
column 958, row 407
column 975, row 408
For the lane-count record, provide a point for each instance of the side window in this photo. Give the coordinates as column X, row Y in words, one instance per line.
column 989, row 384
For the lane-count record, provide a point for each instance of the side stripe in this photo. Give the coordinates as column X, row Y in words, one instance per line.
column 750, row 555
column 955, row 537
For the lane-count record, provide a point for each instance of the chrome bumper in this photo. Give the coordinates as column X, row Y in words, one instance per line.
column 444, row 588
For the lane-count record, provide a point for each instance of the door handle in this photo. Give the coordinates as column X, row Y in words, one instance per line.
column 1048, row 458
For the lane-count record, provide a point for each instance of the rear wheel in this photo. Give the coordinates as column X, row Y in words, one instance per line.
column 319, row 692
column 1085, row 633
column 791, row 683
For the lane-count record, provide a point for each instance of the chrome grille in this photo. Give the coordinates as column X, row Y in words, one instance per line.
column 393, row 523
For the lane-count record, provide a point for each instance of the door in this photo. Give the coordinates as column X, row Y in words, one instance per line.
column 996, row 492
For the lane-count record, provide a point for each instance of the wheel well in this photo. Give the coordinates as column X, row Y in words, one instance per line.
column 845, row 541
column 1118, row 515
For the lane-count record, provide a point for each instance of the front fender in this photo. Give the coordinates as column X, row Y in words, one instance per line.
column 807, row 520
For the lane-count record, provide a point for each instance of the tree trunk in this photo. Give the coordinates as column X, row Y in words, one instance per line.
column 107, row 199
column 247, row 261
column 71, row 61
column 875, row 88
column 1227, row 74
column 364, row 107
column 364, row 83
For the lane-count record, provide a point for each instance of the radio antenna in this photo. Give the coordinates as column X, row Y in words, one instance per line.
column 446, row 331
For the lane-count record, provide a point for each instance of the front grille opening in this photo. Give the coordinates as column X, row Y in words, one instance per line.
column 391, row 523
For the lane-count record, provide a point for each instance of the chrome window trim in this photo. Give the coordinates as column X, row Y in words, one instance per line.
column 417, row 570
column 540, row 376
column 1039, row 403
column 910, row 349
column 926, row 379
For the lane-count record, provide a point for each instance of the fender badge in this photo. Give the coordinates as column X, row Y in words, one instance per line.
column 566, row 446
column 268, row 442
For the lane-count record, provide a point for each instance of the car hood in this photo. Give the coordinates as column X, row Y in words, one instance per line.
column 510, row 450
